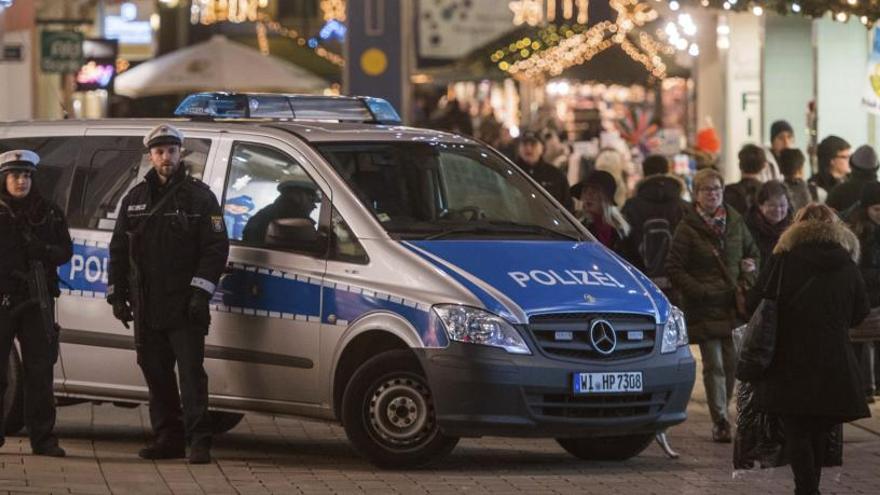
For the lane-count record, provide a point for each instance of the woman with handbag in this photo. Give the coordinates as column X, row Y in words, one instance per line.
column 711, row 261
column 864, row 220
column 812, row 381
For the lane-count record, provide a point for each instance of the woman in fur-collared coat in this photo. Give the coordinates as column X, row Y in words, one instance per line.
column 813, row 382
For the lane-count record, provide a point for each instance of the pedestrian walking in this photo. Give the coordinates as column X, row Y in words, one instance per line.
column 781, row 138
column 653, row 214
column 812, row 382
column 713, row 261
column 167, row 252
column 791, row 164
column 769, row 217
column 530, row 151
column 34, row 241
column 599, row 213
column 864, row 165
column 832, row 156
column 741, row 195
column 864, row 219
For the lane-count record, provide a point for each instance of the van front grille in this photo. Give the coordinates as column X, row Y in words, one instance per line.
column 598, row 406
column 567, row 335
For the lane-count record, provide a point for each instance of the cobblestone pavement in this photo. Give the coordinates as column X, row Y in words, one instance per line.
column 266, row 455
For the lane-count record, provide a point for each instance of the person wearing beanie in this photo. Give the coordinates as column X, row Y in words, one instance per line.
column 741, row 195
column 529, row 157
column 599, row 213
column 864, row 220
column 656, row 207
column 781, row 138
column 832, row 155
column 34, row 238
column 791, row 165
column 864, row 165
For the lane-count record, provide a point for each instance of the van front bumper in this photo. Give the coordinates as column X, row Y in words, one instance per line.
column 481, row 390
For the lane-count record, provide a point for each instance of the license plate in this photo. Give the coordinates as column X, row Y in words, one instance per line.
column 608, row 383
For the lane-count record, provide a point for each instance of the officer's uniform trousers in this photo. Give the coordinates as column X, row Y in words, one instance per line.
column 38, row 356
column 157, row 354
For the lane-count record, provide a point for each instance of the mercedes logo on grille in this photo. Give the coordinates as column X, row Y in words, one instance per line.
column 603, row 337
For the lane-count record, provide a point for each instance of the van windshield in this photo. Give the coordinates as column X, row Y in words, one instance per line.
column 440, row 191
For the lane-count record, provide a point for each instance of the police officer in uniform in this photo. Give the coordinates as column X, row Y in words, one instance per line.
column 167, row 253
column 34, row 241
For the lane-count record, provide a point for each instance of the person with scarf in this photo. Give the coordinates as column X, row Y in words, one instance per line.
column 33, row 232
column 769, row 217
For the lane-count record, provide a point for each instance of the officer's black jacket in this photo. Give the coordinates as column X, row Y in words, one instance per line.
column 47, row 224
column 182, row 246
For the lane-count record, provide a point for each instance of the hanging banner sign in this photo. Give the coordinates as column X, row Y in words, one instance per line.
column 871, row 96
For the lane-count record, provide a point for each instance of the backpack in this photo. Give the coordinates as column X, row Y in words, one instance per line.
column 653, row 248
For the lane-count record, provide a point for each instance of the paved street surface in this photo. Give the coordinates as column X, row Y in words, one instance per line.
column 280, row 455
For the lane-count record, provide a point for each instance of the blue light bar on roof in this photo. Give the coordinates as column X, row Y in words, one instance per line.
column 287, row 107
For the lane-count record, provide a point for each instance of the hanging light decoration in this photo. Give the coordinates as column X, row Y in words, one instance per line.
column 867, row 11
column 208, row 12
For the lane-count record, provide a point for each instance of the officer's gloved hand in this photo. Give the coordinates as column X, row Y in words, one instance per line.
column 121, row 309
column 198, row 311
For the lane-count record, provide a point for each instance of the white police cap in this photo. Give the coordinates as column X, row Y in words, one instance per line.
column 163, row 134
column 19, row 160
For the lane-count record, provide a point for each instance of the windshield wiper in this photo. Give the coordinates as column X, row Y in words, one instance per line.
column 535, row 228
column 500, row 226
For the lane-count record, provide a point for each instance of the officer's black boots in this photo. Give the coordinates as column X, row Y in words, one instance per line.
column 51, row 451
column 161, row 450
column 199, row 454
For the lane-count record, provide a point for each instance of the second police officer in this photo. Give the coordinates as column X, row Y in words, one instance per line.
column 34, row 241
column 168, row 250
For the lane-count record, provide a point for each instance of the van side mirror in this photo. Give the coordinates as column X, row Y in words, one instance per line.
column 298, row 234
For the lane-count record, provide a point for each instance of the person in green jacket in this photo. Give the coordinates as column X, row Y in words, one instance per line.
column 712, row 258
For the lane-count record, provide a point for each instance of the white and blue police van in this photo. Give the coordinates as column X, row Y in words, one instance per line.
column 414, row 285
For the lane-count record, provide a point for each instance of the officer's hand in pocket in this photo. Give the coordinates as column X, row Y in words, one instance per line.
column 198, row 311
column 122, row 311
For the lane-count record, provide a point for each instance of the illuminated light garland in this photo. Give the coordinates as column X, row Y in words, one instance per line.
column 262, row 38
column 276, row 28
column 208, row 12
column 868, row 12
column 333, row 9
column 576, row 48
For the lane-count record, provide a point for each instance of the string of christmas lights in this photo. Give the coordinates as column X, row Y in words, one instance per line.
column 867, row 11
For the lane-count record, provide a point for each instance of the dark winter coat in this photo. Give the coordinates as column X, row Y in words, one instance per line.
column 742, row 195
column 765, row 234
column 798, row 192
column 657, row 196
column 814, row 370
column 183, row 245
column 708, row 296
column 821, row 184
column 552, row 179
column 848, row 193
column 869, row 264
column 43, row 221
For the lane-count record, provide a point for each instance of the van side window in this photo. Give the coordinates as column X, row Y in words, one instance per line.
column 270, row 201
column 57, row 159
column 345, row 246
column 109, row 167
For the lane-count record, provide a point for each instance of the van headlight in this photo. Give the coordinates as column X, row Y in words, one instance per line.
column 675, row 332
column 475, row 326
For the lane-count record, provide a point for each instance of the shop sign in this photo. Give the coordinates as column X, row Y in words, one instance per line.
column 99, row 69
column 871, row 96
column 61, row 51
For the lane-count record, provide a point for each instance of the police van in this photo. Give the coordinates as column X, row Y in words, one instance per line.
column 412, row 284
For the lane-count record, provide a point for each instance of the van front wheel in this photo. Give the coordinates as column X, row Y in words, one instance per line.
column 618, row 448
column 388, row 413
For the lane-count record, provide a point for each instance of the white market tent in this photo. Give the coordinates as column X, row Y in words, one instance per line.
column 216, row 65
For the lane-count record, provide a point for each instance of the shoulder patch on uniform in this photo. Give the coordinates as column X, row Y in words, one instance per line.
column 217, row 223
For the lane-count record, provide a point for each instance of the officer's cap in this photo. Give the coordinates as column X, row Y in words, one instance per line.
column 19, row 160
column 163, row 134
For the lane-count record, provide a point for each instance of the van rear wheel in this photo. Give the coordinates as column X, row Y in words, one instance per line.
column 13, row 399
column 618, row 448
column 388, row 413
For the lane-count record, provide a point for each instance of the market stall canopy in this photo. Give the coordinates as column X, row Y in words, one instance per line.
column 216, row 65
